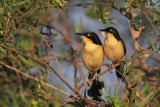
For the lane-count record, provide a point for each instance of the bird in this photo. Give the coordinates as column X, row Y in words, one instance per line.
column 92, row 58
column 114, row 49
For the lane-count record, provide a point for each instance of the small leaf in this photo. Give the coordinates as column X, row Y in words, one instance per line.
column 46, row 3
column 5, row 3
column 25, row 61
column 109, row 93
column 104, row 14
column 155, row 16
column 138, row 9
column 133, row 94
column 151, row 3
column 136, row 54
column 20, row 3
column 1, row 11
column 110, row 19
column 75, row 26
column 143, row 103
column 120, row 104
column 2, row 50
column 115, row 92
column 3, row 21
column 150, row 44
column 81, row 24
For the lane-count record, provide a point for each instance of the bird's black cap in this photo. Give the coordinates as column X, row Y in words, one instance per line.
column 110, row 30
column 113, row 31
column 92, row 36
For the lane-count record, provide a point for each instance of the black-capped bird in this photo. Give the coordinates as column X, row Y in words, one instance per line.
column 114, row 48
column 92, row 57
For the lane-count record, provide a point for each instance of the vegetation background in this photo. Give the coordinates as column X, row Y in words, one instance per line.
column 40, row 54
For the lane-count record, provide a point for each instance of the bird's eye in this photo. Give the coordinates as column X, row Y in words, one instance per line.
column 88, row 35
column 110, row 30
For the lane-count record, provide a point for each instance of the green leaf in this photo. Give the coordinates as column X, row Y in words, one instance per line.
column 120, row 104
column 104, row 14
column 138, row 9
column 27, row 62
column 150, row 44
column 2, row 50
column 133, row 93
column 46, row 3
column 115, row 92
column 20, row 3
column 109, row 92
column 1, row 12
column 145, row 2
column 81, row 24
column 118, row 96
column 142, row 104
column 60, row 4
column 126, row 6
column 146, row 88
column 75, row 26
column 151, row 3
column 130, row 69
column 136, row 54
column 110, row 20
column 155, row 16
column 3, row 21
column 57, row 0
column 5, row 4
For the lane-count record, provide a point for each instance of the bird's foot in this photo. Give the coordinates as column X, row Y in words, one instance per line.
column 96, row 76
column 87, row 83
column 110, row 68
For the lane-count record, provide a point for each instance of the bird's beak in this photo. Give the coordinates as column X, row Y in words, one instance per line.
column 81, row 34
column 102, row 30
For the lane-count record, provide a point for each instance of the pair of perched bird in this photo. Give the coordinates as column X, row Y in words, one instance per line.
column 93, row 56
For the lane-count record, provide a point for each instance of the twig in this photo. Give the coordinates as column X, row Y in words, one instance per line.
column 158, row 38
column 102, row 73
column 67, row 35
column 75, row 74
column 155, row 58
column 50, row 97
column 68, row 101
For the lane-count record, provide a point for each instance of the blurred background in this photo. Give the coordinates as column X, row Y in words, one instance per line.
column 32, row 27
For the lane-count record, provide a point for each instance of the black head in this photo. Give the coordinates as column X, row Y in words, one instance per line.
column 91, row 36
column 113, row 31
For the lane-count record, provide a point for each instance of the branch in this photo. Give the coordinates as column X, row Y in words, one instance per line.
column 102, row 73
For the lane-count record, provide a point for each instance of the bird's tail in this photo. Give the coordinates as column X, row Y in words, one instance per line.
column 95, row 89
column 120, row 71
